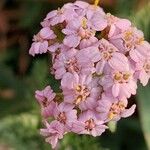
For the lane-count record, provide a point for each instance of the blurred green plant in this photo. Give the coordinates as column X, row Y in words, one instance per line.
column 143, row 98
column 21, row 133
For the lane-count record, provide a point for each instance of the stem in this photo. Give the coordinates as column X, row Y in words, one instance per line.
column 96, row 2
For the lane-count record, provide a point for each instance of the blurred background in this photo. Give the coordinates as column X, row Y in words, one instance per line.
column 21, row 75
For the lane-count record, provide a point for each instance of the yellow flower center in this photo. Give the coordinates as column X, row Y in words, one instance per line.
column 126, row 76
column 84, row 23
column 82, row 92
column 118, row 76
column 139, row 41
column 116, row 109
column 128, row 35
column 122, row 77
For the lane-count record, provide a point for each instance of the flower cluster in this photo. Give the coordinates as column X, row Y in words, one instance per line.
column 98, row 59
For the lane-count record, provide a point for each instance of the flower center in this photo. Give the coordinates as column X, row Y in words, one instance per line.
column 89, row 124
column 132, row 39
column 62, row 117
column 84, row 23
column 116, row 109
column 106, row 55
column 128, row 36
column 139, row 41
column 72, row 65
column 82, row 92
column 118, row 76
column 147, row 66
column 126, row 76
column 106, row 51
column 85, row 33
column 45, row 102
column 122, row 77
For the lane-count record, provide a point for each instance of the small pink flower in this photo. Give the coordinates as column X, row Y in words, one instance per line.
column 110, row 57
column 141, row 52
column 68, row 61
column 83, row 29
column 53, row 132
column 54, row 17
column 96, row 20
column 40, row 44
column 76, row 31
column 45, row 99
column 79, row 7
column 65, row 114
column 56, row 50
column 89, row 54
column 121, row 84
column 92, row 9
column 88, row 124
column 128, row 40
column 143, row 71
column 116, row 25
column 82, row 90
column 110, row 108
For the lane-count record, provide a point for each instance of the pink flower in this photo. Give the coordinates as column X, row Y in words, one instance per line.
column 88, row 124
column 65, row 114
column 68, row 61
column 82, row 90
column 116, row 25
column 53, row 132
column 141, row 52
column 110, row 57
column 54, row 17
column 56, row 50
column 89, row 54
column 96, row 20
column 77, row 30
column 143, row 71
column 65, row 14
column 81, row 5
column 83, row 29
column 78, row 7
column 121, row 84
column 110, row 108
column 40, row 44
column 95, row 9
column 98, row 59
column 128, row 40
column 45, row 99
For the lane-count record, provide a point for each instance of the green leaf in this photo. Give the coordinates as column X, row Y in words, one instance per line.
column 142, row 20
column 143, row 98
